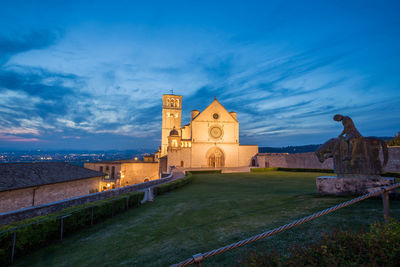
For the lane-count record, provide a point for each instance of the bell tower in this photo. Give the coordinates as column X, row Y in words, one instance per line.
column 171, row 118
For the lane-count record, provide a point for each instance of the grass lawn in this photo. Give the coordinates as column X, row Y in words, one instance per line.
column 213, row 211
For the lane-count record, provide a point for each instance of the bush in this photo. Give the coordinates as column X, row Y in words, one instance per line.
column 41, row 231
column 163, row 188
column 378, row 247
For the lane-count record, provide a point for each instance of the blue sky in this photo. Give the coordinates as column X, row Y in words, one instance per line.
column 91, row 74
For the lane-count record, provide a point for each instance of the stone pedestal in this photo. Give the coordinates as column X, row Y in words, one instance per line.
column 332, row 185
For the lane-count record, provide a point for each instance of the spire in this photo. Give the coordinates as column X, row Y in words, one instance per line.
column 215, row 97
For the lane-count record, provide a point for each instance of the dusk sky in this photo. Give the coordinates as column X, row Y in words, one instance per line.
column 91, row 74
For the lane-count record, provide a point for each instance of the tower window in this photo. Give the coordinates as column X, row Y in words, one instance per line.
column 176, row 115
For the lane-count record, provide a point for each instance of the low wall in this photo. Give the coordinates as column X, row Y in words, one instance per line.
column 21, row 214
column 310, row 160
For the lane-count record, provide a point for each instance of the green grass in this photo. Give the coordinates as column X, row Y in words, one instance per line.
column 213, row 211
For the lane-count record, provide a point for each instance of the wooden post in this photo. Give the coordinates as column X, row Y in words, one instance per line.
column 61, row 227
column 386, row 209
column 91, row 216
column 198, row 258
column 13, row 247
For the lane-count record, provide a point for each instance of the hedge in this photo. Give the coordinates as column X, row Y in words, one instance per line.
column 380, row 246
column 43, row 230
column 163, row 188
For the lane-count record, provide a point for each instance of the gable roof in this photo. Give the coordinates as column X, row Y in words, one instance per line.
column 22, row 175
column 215, row 103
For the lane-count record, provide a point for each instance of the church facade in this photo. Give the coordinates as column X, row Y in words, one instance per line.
column 210, row 140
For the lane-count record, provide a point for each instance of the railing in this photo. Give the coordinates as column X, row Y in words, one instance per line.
column 384, row 191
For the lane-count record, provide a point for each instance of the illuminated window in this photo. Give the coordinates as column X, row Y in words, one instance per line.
column 190, row 144
column 176, row 115
column 174, row 143
column 168, row 114
column 167, row 101
column 177, row 103
column 172, row 102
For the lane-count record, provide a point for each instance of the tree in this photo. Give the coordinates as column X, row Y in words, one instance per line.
column 395, row 141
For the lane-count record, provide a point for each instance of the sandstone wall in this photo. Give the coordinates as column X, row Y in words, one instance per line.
column 135, row 173
column 27, row 197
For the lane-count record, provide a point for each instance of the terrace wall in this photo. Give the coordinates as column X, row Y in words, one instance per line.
column 309, row 160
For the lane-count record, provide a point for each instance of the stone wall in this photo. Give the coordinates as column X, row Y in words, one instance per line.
column 27, row 197
column 309, row 160
column 21, row 214
column 135, row 173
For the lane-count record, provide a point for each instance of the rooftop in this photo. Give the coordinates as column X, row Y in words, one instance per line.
column 22, row 175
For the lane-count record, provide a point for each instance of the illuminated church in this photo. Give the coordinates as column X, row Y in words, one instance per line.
column 210, row 140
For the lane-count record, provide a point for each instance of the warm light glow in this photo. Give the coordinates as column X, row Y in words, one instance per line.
column 108, row 185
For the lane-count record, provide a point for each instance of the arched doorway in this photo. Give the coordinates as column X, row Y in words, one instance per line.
column 215, row 158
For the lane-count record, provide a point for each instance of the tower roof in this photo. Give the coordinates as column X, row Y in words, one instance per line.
column 174, row 132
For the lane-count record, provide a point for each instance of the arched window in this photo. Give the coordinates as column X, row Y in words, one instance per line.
column 101, row 169
column 177, row 103
column 167, row 102
column 172, row 102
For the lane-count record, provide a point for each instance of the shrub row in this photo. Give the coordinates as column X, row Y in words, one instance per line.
column 380, row 246
column 43, row 230
column 163, row 188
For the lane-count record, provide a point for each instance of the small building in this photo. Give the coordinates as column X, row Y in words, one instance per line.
column 24, row 185
column 121, row 173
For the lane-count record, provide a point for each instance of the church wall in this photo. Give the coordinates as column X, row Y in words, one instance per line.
column 175, row 157
column 246, row 153
column 186, row 132
column 138, row 172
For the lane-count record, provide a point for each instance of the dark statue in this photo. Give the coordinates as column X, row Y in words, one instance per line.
column 354, row 155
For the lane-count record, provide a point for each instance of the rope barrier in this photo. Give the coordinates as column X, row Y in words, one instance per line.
column 201, row 256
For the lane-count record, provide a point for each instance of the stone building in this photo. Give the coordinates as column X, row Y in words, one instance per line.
column 126, row 172
column 24, row 185
column 210, row 140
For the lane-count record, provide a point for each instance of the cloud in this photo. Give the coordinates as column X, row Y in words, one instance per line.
column 29, row 41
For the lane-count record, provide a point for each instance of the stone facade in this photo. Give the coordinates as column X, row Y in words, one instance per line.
column 125, row 172
column 38, row 195
column 210, row 140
